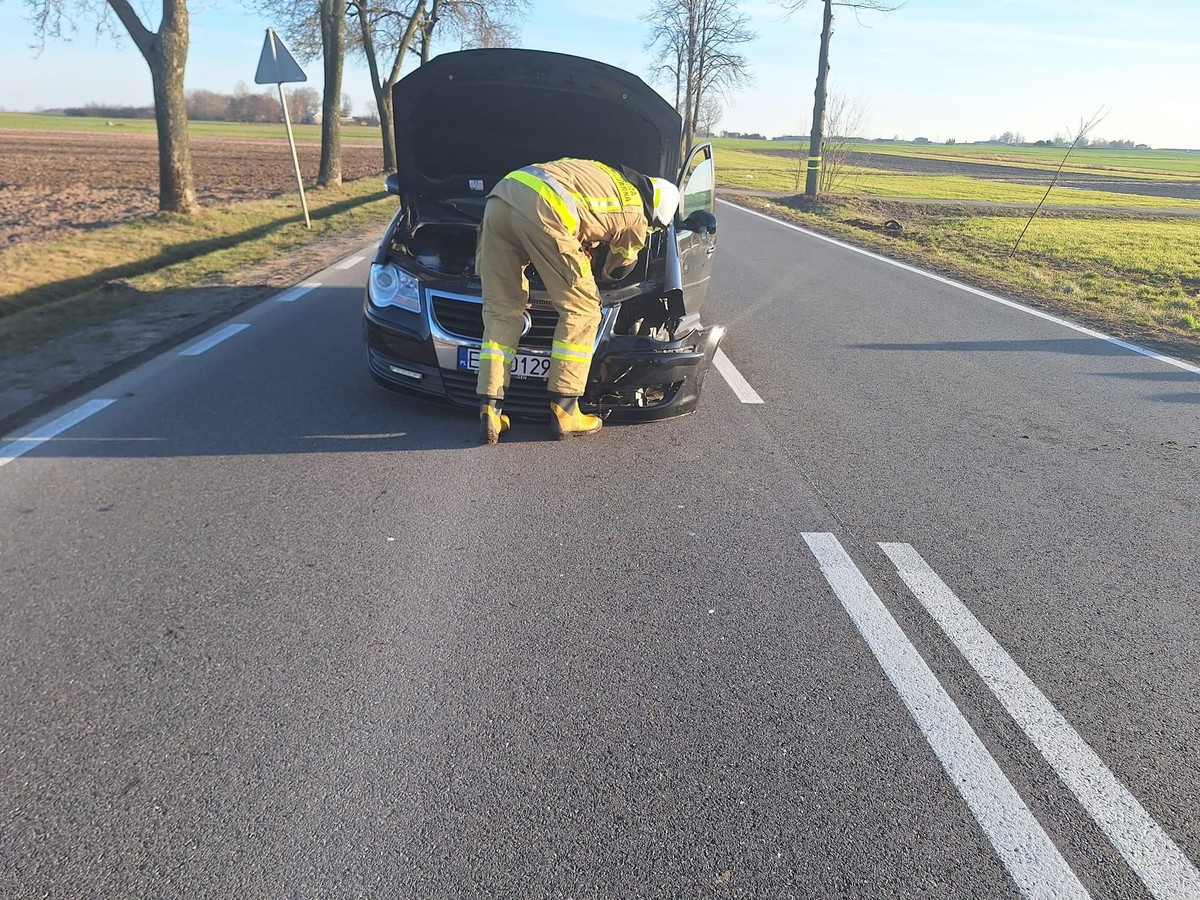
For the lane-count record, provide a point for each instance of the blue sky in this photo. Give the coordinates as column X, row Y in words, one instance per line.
column 963, row 69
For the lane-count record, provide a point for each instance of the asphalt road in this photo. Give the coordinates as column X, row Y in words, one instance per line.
column 923, row 622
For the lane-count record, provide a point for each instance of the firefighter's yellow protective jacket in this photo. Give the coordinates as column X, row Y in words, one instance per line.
column 547, row 214
column 591, row 201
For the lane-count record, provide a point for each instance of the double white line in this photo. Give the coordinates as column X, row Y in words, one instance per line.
column 1024, row 847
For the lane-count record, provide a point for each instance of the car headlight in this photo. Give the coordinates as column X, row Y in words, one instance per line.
column 390, row 286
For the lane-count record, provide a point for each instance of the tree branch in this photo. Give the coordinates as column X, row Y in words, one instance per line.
column 141, row 35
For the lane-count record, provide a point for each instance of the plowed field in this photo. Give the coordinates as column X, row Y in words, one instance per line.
column 54, row 184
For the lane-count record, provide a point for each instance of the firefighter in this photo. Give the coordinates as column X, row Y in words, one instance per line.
column 547, row 215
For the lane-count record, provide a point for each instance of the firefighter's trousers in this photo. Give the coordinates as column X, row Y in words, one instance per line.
column 508, row 242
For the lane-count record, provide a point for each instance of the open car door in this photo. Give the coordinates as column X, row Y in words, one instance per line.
column 696, row 229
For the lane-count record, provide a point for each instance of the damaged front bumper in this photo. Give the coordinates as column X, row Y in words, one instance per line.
column 640, row 379
column 632, row 379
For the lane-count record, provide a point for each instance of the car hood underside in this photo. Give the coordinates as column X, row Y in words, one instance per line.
column 464, row 120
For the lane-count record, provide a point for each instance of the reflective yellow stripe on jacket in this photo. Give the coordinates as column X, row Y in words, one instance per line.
column 562, row 201
column 498, row 352
column 571, row 352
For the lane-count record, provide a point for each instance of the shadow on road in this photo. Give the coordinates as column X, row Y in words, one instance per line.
column 363, row 419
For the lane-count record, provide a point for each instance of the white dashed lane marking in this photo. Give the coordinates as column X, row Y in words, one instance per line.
column 741, row 387
column 205, row 344
column 350, row 262
column 39, row 436
column 294, row 294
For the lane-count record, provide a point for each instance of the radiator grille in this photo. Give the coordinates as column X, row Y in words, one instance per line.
column 464, row 318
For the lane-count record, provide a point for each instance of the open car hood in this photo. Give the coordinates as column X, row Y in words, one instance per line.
column 465, row 120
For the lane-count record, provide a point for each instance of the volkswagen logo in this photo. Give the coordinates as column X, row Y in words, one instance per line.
column 526, row 323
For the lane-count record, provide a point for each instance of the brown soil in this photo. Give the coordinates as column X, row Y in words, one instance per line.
column 54, row 184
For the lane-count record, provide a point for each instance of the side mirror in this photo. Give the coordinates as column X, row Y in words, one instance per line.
column 391, row 184
column 701, row 221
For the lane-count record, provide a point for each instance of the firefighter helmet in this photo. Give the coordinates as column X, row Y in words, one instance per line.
column 666, row 202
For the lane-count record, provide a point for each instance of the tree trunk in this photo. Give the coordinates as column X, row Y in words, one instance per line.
column 689, row 81
column 383, row 100
column 176, row 181
column 165, row 53
column 817, row 138
column 382, row 90
column 427, row 30
column 333, row 43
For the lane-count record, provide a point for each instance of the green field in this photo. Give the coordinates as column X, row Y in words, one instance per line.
column 1128, row 163
column 48, row 122
column 759, row 171
column 1097, row 256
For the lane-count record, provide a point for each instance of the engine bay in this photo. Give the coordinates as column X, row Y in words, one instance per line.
column 446, row 250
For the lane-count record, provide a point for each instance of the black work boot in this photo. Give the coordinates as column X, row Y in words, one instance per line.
column 566, row 420
column 492, row 422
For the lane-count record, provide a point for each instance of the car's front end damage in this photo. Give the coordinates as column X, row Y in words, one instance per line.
column 423, row 317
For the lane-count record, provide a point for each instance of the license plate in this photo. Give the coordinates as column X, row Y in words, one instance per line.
column 524, row 365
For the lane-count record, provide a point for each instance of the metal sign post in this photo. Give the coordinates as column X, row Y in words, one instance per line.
column 276, row 66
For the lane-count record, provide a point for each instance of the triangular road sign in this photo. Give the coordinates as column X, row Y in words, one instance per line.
column 276, row 65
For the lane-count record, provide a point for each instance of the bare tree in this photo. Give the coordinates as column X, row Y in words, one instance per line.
column 333, row 45
column 817, row 137
column 846, row 117
column 165, row 52
column 389, row 29
column 695, row 44
column 1080, row 140
column 207, row 105
column 711, row 111
column 303, row 103
column 383, row 29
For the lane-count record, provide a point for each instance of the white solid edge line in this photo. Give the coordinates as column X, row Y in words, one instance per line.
column 1024, row 847
column 1159, row 863
column 293, row 294
column 22, row 445
column 349, row 262
column 212, row 340
column 734, row 378
column 1099, row 335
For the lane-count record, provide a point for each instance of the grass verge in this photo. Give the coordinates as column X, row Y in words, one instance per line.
column 1134, row 277
column 53, row 289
